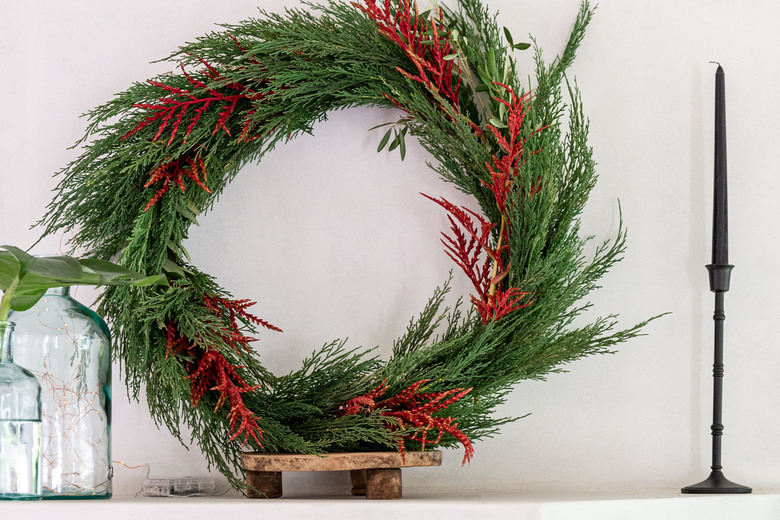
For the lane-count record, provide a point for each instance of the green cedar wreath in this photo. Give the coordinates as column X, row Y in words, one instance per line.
column 159, row 155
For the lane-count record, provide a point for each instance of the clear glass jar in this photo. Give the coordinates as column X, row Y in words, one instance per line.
column 68, row 347
column 20, row 426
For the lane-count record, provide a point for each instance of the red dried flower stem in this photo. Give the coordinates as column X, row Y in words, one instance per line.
column 173, row 172
column 506, row 170
column 465, row 252
column 403, row 25
column 422, row 42
column 179, row 102
column 237, row 309
column 427, row 46
column 414, row 409
column 466, row 246
column 211, row 370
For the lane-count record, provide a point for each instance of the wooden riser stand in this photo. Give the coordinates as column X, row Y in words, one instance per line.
column 377, row 475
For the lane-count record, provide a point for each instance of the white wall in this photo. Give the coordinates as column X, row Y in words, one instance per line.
column 336, row 242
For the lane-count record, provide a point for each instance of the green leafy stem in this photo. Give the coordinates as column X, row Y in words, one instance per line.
column 24, row 278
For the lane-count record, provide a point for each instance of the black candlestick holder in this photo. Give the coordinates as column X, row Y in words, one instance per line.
column 720, row 276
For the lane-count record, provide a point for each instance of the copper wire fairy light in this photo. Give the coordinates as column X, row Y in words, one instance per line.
column 73, row 393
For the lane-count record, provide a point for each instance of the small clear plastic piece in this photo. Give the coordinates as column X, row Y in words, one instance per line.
column 178, row 487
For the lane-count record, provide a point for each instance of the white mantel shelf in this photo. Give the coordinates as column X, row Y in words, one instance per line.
column 580, row 505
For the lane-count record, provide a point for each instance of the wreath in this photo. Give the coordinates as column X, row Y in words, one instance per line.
column 158, row 155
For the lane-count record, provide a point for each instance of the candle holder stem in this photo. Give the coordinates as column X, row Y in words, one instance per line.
column 720, row 276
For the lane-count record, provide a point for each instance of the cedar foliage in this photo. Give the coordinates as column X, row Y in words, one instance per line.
column 269, row 79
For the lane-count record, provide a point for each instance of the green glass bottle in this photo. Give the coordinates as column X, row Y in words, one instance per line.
column 20, row 426
column 68, row 347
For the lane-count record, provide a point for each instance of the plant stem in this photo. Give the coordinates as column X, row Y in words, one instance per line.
column 492, row 289
column 5, row 302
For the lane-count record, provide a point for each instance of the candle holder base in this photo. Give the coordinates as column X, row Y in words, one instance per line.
column 716, row 483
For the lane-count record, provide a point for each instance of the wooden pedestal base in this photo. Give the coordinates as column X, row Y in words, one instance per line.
column 377, row 476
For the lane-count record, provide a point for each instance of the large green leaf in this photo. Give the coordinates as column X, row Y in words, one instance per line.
column 34, row 282
column 113, row 274
column 19, row 254
column 10, row 267
column 24, row 301
column 24, row 278
column 62, row 268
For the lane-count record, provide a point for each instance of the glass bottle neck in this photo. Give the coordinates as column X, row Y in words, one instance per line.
column 59, row 291
column 6, row 335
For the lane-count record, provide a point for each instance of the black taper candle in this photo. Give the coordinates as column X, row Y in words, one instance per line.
column 720, row 277
column 720, row 224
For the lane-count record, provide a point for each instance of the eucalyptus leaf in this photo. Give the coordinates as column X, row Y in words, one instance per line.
column 394, row 144
column 483, row 74
column 492, row 67
column 521, row 46
column 178, row 250
column 193, row 207
column 508, row 37
column 172, row 247
column 384, row 140
column 186, row 253
column 174, row 268
column 188, row 215
column 380, row 126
